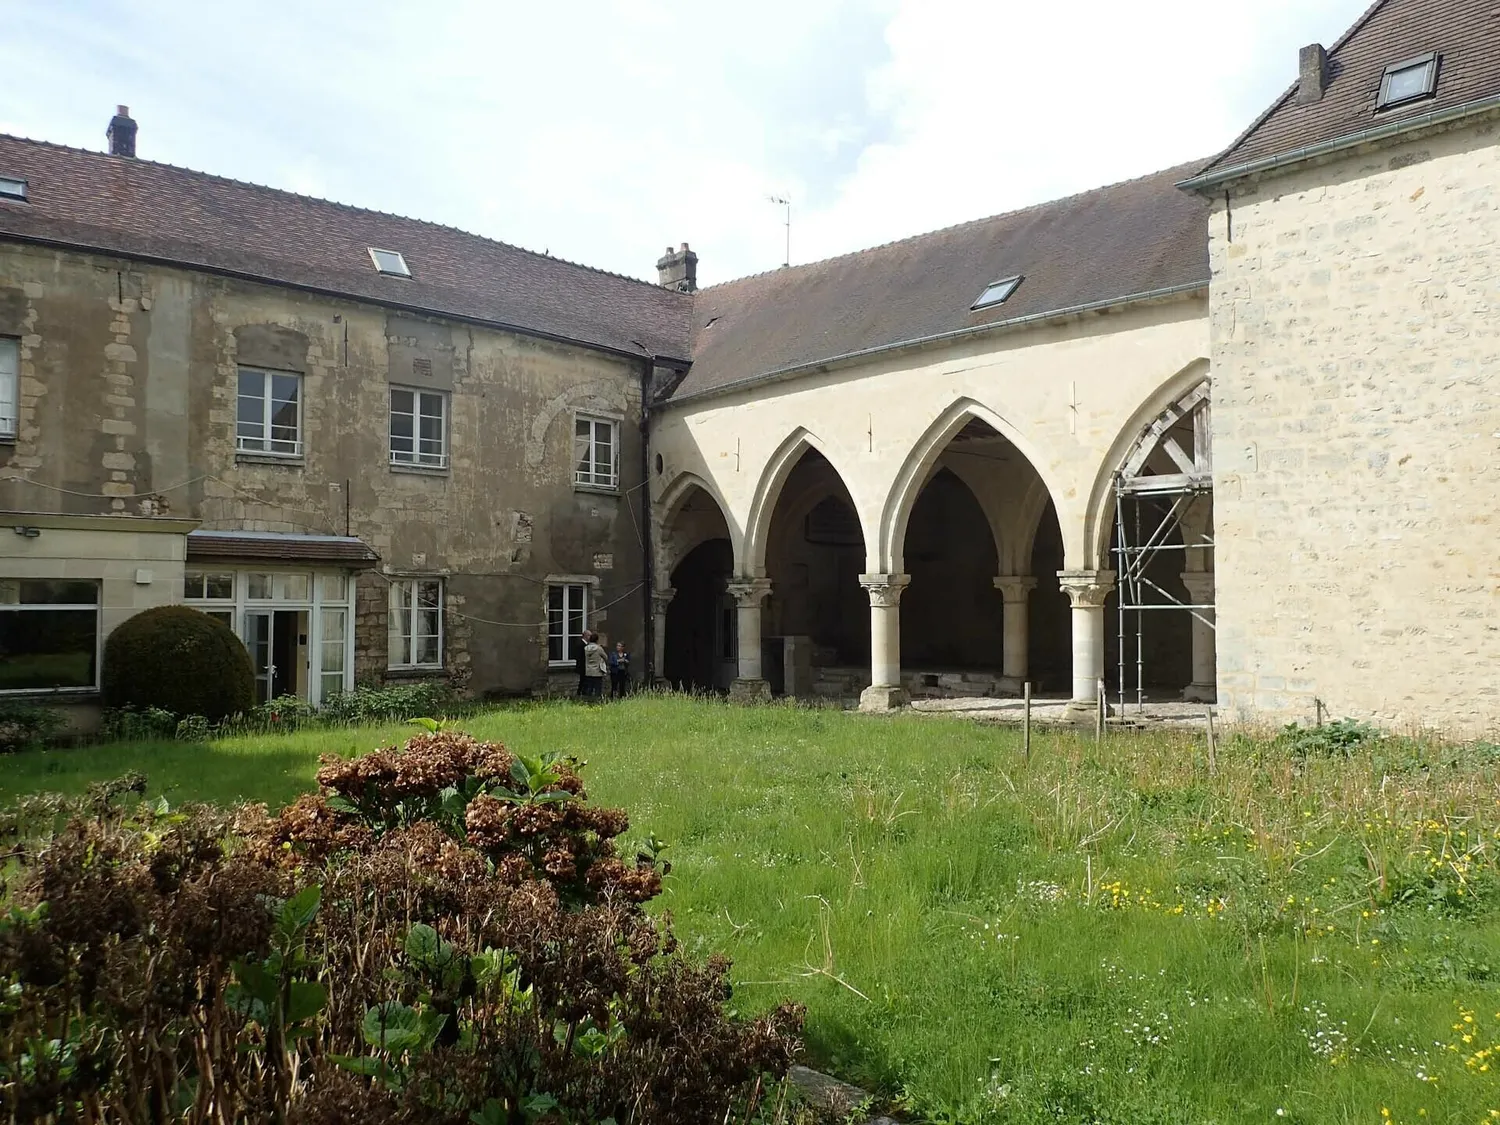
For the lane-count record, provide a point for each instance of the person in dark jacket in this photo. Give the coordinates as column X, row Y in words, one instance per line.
column 619, row 671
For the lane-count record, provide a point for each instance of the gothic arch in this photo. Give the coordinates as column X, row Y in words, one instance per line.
column 886, row 552
column 1101, row 504
column 673, row 498
column 752, row 561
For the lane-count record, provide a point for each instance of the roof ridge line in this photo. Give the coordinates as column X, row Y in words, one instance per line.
column 951, row 226
column 331, row 203
column 1266, row 113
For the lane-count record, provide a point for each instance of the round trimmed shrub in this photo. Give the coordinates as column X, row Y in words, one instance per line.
column 180, row 660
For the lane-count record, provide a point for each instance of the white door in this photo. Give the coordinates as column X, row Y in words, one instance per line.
column 260, row 631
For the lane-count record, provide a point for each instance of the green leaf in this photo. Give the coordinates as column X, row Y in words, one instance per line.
column 431, row 726
column 161, row 807
column 299, row 910
column 255, row 981
column 520, row 772
column 239, row 1001
column 360, row 1064
column 422, row 942
column 538, row 1104
column 550, row 798
column 343, row 805
column 306, row 998
column 493, row 1113
column 392, row 1026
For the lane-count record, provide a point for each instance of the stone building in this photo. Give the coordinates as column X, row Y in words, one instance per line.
column 1227, row 432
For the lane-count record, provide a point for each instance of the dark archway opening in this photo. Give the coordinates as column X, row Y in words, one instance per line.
column 951, row 614
column 700, row 642
column 816, row 625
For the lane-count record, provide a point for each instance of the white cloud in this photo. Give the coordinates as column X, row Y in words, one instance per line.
column 605, row 129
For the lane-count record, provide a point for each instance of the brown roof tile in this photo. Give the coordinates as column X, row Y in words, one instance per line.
column 267, row 546
column 1466, row 33
column 137, row 208
column 1128, row 239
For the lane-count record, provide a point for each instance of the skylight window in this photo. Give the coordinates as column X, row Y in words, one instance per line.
column 12, row 188
column 997, row 292
column 389, row 262
column 1408, row 81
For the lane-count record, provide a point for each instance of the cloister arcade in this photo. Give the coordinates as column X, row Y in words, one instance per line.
column 978, row 556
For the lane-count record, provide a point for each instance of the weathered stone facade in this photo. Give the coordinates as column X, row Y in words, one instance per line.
column 128, row 405
column 1356, row 429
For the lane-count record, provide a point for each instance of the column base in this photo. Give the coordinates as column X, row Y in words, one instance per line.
column 1012, row 685
column 1079, row 709
column 750, row 691
column 1200, row 693
column 882, row 697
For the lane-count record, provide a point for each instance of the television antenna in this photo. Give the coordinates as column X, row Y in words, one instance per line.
column 787, row 203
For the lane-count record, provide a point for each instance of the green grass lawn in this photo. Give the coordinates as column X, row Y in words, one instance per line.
column 1105, row 933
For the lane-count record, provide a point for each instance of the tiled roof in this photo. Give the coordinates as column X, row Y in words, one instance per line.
column 269, row 546
column 137, row 208
column 1466, row 33
column 1141, row 236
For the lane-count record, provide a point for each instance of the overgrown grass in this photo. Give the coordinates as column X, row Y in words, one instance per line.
column 1102, row 934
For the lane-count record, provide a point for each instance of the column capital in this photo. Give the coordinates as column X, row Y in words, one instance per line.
column 1015, row 587
column 885, row 589
column 748, row 593
column 1086, row 589
column 1200, row 586
column 661, row 597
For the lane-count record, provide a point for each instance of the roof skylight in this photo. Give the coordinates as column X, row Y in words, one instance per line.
column 1408, row 81
column 12, row 188
column 997, row 292
column 389, row 262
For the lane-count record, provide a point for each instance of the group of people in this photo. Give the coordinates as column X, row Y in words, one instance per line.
column 596, row 664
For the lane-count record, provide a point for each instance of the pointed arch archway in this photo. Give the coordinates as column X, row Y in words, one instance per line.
column 1152, row 523
column 793, row 448
column 694, row 612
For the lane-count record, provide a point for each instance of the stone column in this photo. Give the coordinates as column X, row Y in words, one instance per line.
column 1086, row 590
column 1016, row 590
column 748, row 593
column 885, row 691
column 660, row 599
column 1200, row 588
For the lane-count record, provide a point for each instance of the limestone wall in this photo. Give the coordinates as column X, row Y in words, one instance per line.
column 1356, row 409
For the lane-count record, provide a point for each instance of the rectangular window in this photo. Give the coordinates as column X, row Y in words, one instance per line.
column 49, row 634
column 335, row 625
column 416, row 626
column 201, row 585
column 419, row 431
column 567, row 610
column 270, row 412
column 597, row 452
column 10, row 379
column 12, row 188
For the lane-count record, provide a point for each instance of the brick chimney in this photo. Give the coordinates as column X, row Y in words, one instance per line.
column 678, row 270
column 1312, row 66
column 121, row 132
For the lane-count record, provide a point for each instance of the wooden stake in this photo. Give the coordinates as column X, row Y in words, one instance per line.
column 1026, row 723
column 1213, row 756
column 1099, row 714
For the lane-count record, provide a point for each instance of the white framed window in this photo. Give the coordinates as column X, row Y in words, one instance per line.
column 208, row 585
column 416, row 623
column 567, row 613
column 269, row 419
column 12, row 188
column 419, row 428
column 997, row 292
column 10, row 382
column 596, row 449
column 49, row 634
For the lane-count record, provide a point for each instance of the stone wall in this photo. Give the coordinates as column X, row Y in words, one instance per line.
column 1356, row 411
column 128, row 404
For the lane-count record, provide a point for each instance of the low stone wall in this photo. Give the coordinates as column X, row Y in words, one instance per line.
column 920, row 683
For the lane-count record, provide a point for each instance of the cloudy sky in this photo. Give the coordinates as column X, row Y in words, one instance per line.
column 601, row 130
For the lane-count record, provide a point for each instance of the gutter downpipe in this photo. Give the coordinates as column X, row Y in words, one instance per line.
column 943, row 337
column 1339, row 144
column 648, row 367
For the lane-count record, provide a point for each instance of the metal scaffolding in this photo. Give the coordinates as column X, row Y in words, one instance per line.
column 1149, row 509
